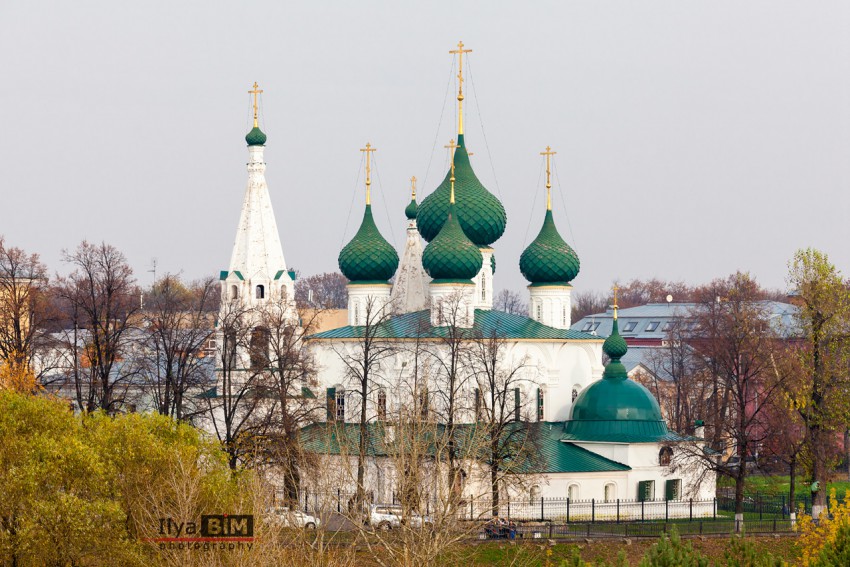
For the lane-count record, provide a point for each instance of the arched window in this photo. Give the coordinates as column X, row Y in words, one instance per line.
column 534, row 494
column 259, row 348
column 260, row 292
column 382, row 405
column 575, row 393
column 340, row 405
column 283, row 293
column 423, row 403
column 572, row 492
column 665, row 455
column 610, row 492
column 234, row 292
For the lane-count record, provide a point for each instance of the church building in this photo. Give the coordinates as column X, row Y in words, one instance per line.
column 597, row 435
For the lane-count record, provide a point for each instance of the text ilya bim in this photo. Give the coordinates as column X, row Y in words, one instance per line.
column 215, row 532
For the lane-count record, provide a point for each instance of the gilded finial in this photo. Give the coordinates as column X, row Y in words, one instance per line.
column 368, row 149
column 548, row 153
column 459, row 52
column 255, row 91
column 413, row 187
column 452, row 145
column 616, row 288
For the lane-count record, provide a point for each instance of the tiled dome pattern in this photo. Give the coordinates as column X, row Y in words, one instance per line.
column 255, row 137
column 480, row 213
column 410, row 210
column 451, row 255
column 368, row 257
column 549, row 259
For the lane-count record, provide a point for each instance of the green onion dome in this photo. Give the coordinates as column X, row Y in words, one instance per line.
column 410, row 210
column 480, row 213
column 549, row 259
column 256, row 137
column 451, row 256
column 368, row 257
column 616, row 408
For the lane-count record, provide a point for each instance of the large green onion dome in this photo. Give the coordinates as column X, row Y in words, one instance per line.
column 451, row 256
column 616, row 408
column 256, row 137
column 368, row 257
column 549, row 259
column 480, row 213
column 410, row 209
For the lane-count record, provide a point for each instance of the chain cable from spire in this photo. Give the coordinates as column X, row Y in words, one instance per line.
column 576, row 247
column 351, row 205
column 384, row 200
column 483, row 131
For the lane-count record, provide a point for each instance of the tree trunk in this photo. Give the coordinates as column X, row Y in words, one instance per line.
column 792, row 493
column 361, row 449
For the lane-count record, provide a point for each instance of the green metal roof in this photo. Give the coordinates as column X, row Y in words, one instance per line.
column 557, row 456
column 410, row 210
column 255, row 137
column 487, row 324
column 451, row 256
column 481, row 215
column 549, row 259
column 552, row 455
column 368, row 256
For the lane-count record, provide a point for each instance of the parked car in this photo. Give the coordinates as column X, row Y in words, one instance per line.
column 390, row 516
column 288, row 518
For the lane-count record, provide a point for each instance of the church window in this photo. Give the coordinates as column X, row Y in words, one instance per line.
column 382, row 405
column 539, row 404
column 234, row 292
column 652, row 326
column 538, row 312
column 630, row 326
column 564, row 316
column 517, row 400
column 587, row 326
column 483, row 286
column 610, row 492
column 423, row 404
column 340, row 405
column 477, row 404
column 259, row 348
column 283, row 292
column 260, row 292
column 673, row 489
column 356, row 313
column 534, row 494
column 665, row 456
column 572, row 492
column 646, row 491
column 575, row 393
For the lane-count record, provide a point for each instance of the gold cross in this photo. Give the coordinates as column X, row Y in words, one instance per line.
column 616, row 289
column 459, row 52
column 548, row 153
column 257, row 90
column 368, row 149
column 413, row 187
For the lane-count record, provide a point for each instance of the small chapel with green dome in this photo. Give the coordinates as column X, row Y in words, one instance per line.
column 598, row 436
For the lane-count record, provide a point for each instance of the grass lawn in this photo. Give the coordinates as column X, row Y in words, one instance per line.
column 777, row 485
column 533, row 555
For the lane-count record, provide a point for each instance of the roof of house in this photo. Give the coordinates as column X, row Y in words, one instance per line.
column 488, row 323
column 653, row 320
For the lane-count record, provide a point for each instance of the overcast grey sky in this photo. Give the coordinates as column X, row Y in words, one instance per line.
column 694, row 138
